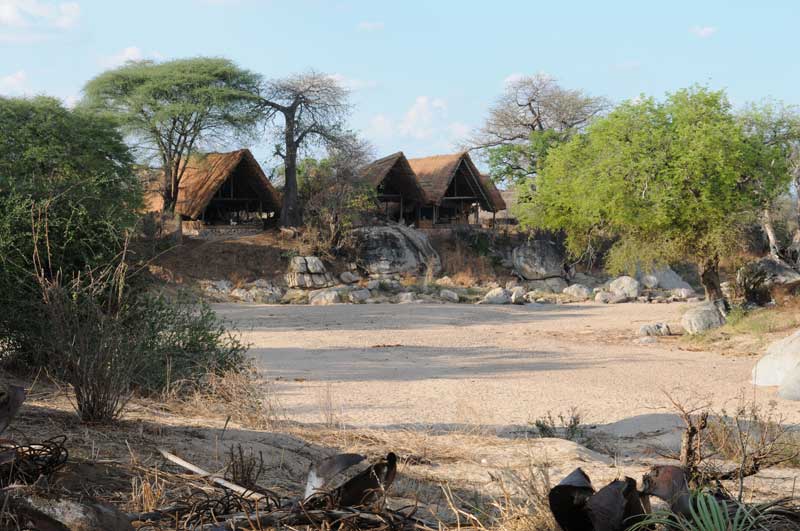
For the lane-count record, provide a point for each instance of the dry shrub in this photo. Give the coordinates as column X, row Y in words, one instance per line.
column 327, row 406
column 463, row 265
column 244, row 467
column 148, row 492
column 521, row 506
column 246, row 397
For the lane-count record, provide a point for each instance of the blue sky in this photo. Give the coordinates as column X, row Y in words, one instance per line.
column 423, row 73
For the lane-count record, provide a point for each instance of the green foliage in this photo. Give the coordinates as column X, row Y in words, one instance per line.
column 672, row 180
column 69, row 174
column 514, row 164
column 176, row 106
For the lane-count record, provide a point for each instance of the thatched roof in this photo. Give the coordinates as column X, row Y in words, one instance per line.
column 205, row 174
column 435, row 173
column 395, row 170
column 510, row 200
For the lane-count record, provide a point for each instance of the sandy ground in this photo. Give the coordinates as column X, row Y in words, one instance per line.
column 425, row 365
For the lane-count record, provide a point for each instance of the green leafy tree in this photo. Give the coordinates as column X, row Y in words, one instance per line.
column 172, row 108
column 672, row 180
column 66, row 177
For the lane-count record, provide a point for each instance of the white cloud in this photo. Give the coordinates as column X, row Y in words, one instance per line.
column 71, row 101
column 130, row 53
column 704, row 31
column 423, row 117
column 458, row 131
column 370, row 26
column 380, row 126
column 354, row 83
column 38, row 13
column 13, row 83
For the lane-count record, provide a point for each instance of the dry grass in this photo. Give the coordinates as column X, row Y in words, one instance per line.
column 148, row 491
column 328, row 406
column 465, row 267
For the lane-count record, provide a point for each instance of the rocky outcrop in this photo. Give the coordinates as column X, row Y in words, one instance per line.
column 359, row 296
column 701, row 318
column 308, row 272
column 518, row 295
column 324, row 297
column 664, row 278
column 538, row 260
column 655, row 329
column 395, row 248
column 790, row 387
column 776, row 272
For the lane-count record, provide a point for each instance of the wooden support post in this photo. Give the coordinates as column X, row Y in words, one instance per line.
column 401, row 219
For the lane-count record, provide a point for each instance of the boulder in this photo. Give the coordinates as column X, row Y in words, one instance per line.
column 349, row 277
column 358, row 296
column 324, row 297
column 315, row 265
column 538, row 260
column 776, row 271
column 271, row 295
column 497, row 296
column 627, row 286
column 781, row 358
column 655, row 329
column 395, row 248
column 683, row 293
column 578, row 292
column 548, row 285
column 790, row 387
column 47, row 512
column 701, row 318
column 449, row 295
column 298, row 265
column 406, row 297
column 664, row 278
column 309, row 280
column 243, row 295
column 518, row 295
column 223, row 286
column 586, row 280
column 603, row 297
column 618, row 298
column 295, row 296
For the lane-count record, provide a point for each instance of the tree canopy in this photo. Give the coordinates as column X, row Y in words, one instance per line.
column 173, row 108
column 669, row 180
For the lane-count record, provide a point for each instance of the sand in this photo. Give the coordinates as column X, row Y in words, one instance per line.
column 428, row 365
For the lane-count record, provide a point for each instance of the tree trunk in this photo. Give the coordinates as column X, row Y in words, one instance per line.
column 769, row 230
column 794, row 247
column 290, row 212
column 709, row 277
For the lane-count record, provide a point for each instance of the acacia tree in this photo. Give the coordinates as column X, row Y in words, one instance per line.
column 306, row 109
column 672, row 180
column 778, row 126
column 533, row 114
column 175, row 106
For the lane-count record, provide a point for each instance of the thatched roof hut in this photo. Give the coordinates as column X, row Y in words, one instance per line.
column 392, row 176
column 455, row 177
column 217, row 184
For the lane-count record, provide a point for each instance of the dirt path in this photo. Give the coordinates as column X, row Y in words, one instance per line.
column 392, row 366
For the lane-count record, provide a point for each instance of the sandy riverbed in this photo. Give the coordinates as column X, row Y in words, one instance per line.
column 388, row 366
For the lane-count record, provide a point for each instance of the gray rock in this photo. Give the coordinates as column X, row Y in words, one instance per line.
column 324, row 297
column 578, row 292
column 665, row 278
column 618, row 298
column 655, row 329
column 627, row 286
column 778, row 272
column 603, row 297
column 406, row 297
column 683, row 293
column 790, row 387
column 262, row 283
column 349, row 278
column 449, row 295
column 358, row 296
column 373, row 284
column 243, row 295
column 649, row 281
column 295, row 296
column 518, row 295
column 497, row 296
column 586, row 280
column 395, row 248
column 701, row 318
column 538, row 260
column 73, row 515
column 298, row 265
column 781, row 358
column 271, row 295
column 315, row 265
column 223, row 286
column 647, row 340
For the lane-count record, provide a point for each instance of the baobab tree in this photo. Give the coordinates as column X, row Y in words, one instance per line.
column 305, row 109
column 532, row 114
